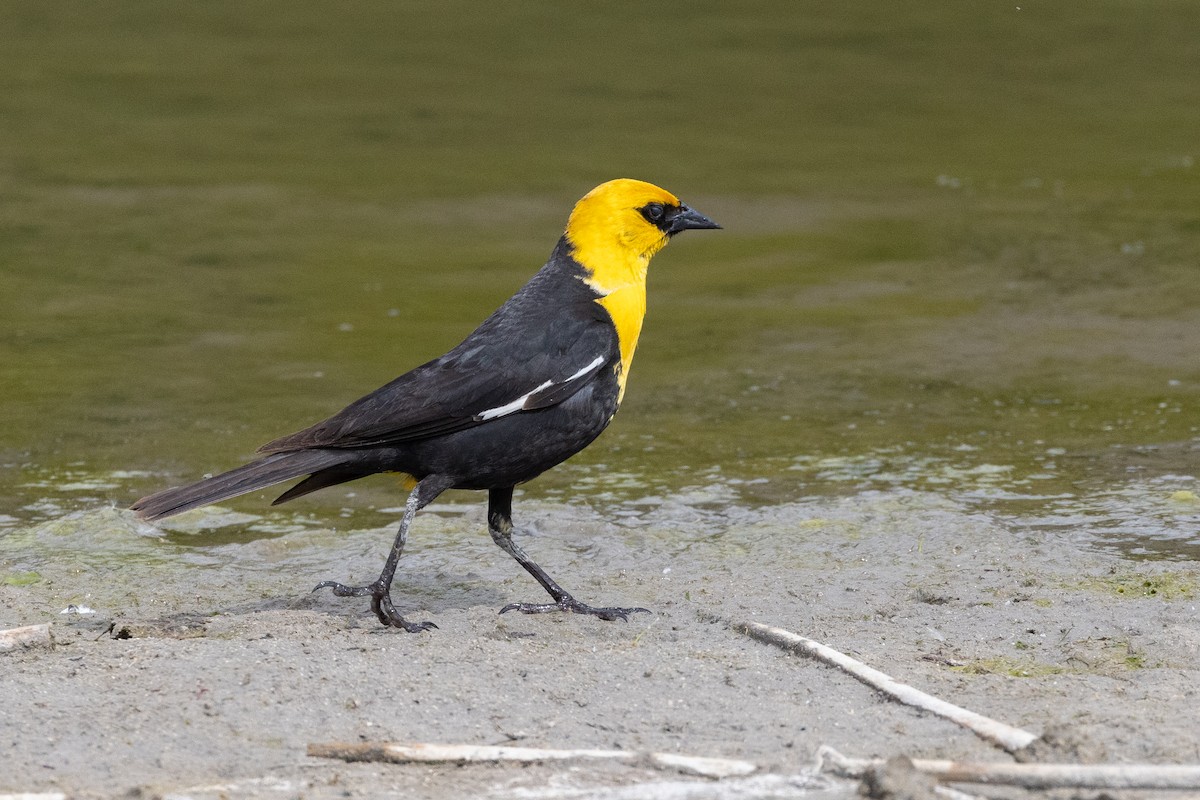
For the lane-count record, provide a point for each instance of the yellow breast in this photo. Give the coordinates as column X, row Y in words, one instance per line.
column 627, row 307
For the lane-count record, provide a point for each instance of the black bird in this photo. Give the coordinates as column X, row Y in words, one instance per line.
column 534, row 384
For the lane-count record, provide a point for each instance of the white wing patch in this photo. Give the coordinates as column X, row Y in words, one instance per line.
column 519, row 403
column 599, row 360
column 515, row 405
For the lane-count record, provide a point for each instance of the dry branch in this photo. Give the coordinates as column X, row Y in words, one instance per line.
column 1009, row 738
column 397, row 753
column 28, row 636
column 1033, row 776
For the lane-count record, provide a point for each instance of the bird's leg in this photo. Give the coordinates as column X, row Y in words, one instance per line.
column 500, row 526
column 380, row 590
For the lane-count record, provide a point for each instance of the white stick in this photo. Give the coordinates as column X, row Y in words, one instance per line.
column 1005, row 736
column 28, row 636
column 1033, row 776
column 398, row 753
column 954, row 794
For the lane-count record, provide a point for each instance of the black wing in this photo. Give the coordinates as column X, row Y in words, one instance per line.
column 527, row 355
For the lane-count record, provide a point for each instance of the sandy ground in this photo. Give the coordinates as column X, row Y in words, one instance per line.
column 227, row 668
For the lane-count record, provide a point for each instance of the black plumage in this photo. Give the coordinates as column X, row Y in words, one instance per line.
column 534, row 384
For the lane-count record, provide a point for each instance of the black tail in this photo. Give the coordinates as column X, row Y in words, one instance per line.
column 275, row 468
column 319, row 480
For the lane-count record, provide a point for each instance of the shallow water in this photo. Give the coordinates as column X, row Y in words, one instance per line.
column 959, row 250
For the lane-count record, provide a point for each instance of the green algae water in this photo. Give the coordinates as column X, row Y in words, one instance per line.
column 960, row 250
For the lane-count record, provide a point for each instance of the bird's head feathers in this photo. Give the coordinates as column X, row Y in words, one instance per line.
column 618, row 226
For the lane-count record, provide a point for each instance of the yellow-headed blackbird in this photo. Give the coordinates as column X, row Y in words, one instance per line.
column 530, row 387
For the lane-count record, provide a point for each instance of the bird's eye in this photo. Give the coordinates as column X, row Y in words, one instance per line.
column 654, row 212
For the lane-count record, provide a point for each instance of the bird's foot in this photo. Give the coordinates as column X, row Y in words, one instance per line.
column 381, row 604
column 573, row 606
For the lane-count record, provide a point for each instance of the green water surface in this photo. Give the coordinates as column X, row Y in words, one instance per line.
column 961, row 249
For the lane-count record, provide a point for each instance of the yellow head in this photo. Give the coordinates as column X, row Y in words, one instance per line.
column 614, row 231
column 618, row 226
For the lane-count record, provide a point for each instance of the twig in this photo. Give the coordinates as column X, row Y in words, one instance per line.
column 397, row 753
column 1009, row 738
column 1032, row 776
column 954, row 794
column 28, row 636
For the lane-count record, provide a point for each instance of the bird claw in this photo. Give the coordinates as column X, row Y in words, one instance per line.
column 381, row 604
column 572, row 606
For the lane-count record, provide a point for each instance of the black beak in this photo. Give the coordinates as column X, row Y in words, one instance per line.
column 686, row 218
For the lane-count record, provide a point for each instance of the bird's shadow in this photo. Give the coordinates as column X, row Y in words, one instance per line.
column 430, row 595
column 414, row 600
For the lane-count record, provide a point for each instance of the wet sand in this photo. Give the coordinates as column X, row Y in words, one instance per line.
column 231, row 667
